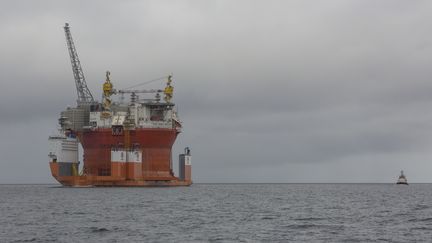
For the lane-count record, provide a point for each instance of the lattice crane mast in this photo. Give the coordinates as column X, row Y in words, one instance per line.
column 84, row 94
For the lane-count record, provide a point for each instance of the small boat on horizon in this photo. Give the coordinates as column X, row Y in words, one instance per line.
column 402, row 179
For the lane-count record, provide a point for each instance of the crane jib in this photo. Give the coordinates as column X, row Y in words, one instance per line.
column 84, row 94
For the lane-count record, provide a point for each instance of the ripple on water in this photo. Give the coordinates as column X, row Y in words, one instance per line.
column 220, row 213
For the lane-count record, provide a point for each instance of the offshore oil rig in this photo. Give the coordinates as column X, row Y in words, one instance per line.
column 124, row 143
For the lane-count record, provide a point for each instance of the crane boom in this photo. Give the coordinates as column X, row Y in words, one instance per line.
column 84, row 94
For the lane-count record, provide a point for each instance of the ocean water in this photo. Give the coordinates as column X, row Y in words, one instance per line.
column 218, row 213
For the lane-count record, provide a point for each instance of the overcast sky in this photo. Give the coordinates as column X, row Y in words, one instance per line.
column 268, row 91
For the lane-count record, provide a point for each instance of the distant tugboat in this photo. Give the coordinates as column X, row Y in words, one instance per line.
column 402, row 179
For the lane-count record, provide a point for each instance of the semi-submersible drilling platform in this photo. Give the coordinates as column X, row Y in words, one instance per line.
column 124, row 143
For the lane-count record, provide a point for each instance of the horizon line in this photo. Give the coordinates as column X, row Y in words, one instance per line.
column 227, row 183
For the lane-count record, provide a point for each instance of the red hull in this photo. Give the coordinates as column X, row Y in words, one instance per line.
column 154, row 169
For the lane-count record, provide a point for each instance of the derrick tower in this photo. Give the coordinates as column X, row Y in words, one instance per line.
column 84, row 94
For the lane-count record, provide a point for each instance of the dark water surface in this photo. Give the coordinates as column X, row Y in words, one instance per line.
column 218, row 213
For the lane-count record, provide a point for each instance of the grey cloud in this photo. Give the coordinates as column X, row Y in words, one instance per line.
column 262, row 87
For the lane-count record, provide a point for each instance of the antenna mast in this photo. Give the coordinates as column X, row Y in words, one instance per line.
column 84, row 94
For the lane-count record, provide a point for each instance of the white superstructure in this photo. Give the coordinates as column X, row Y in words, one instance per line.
column 402, row 179
column 140, row 115
column 63, row 148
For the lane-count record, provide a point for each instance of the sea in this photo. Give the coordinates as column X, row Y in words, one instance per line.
column 218, row 213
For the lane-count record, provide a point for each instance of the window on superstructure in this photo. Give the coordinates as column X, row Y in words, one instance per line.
column 117, row 130
column 156, row 114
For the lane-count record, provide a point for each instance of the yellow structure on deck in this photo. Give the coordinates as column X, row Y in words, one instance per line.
column 169, row 90
column 107, row 91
